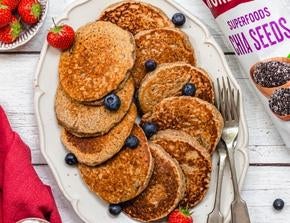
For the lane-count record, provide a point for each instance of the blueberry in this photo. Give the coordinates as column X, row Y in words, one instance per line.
column 178, row 19
column 71, row 159
column 115, row 209
column 278, row 204
column 132, row 142
column 189, row 90
column 112, row 102
column 149, row 129
column 150, row 65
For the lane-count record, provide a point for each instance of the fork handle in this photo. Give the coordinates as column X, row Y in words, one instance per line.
column 239, row 209
column 222, row 159
column 240, row 213
column 216, row 216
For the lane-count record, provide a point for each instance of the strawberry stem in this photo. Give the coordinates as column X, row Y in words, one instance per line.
column 36, row 10
column 185, row 211
column 53, row 22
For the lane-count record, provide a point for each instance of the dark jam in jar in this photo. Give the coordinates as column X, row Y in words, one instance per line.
column 272, row 74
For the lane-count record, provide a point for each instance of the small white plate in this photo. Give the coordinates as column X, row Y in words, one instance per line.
column 29, row 32
column 87, row 205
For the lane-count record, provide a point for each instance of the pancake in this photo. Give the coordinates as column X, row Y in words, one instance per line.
column 193, row 159
column 96, row 150
column 99, row 61
column 194, row 116
column 135, row 16
column 88, row 121
column 168, row 80
column 124, row 176
column 165, row 45
column 164, row 192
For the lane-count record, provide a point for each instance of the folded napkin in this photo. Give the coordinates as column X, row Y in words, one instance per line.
column 22, row 194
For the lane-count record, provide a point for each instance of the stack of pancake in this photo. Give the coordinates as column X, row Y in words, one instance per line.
column 171, row 168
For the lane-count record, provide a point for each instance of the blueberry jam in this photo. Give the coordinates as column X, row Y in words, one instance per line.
column 272, row 74
column 279, row 102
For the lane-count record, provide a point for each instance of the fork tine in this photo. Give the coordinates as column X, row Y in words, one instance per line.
column 238, row 104
column 218, row 101
column 221, row 98
column 234, row 106
column 227, row 103
column 231, row 100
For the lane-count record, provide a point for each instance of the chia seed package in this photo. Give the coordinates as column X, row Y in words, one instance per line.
column 259, row 33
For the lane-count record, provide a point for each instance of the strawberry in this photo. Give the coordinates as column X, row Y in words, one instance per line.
column 11, row 32
column 5, row 15
column 29, row 11
column 61, row 37
column 181, row 215
column 12, row 4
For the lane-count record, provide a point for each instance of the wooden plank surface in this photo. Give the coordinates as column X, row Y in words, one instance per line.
column 269, row 173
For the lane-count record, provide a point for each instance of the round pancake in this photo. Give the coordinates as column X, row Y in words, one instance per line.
column 100, row 102
column 88, row 121
column 168, row 80
column 136, row 16
column 99, row 61
column 194, row 116
column 164, row 192
column 193, row 159
column 124, row 176
column 96, row 150
column 165, row 45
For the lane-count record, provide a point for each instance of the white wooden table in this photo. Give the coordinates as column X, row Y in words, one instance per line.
column 269, row 173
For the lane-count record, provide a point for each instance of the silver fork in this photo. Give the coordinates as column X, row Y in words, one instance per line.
column 216, row 216
column 229, row 106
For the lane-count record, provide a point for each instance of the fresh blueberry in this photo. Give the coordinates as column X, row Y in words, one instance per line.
column 150, row 65
column 149, row 129
column 278, row 204
column 115, row 209
column 189, row 90
column 71, row 159
column 112, row 102
column 132, row 142
column 178, row 19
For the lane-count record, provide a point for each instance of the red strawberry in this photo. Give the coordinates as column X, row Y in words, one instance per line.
column 11, row 32
column 29, row 11
column 5, row 15
column 180, row 215
column 61, row 37
column 11, row 3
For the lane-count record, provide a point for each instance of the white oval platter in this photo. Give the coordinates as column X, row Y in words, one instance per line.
column 89, row 208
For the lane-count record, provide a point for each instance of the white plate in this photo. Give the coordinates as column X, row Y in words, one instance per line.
column 29, row 32
column 87, row 206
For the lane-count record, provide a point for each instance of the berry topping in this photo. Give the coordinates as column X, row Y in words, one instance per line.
column 61, row 37
column 115, row 209
column 178, row 19
column 71, row 159
column 112, row 102
column 150, row 129
column 132, row 142
column 189, row 90
column 181, row 215
column 150, row 65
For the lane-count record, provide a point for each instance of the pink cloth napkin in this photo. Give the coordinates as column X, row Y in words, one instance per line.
column 22, row 194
